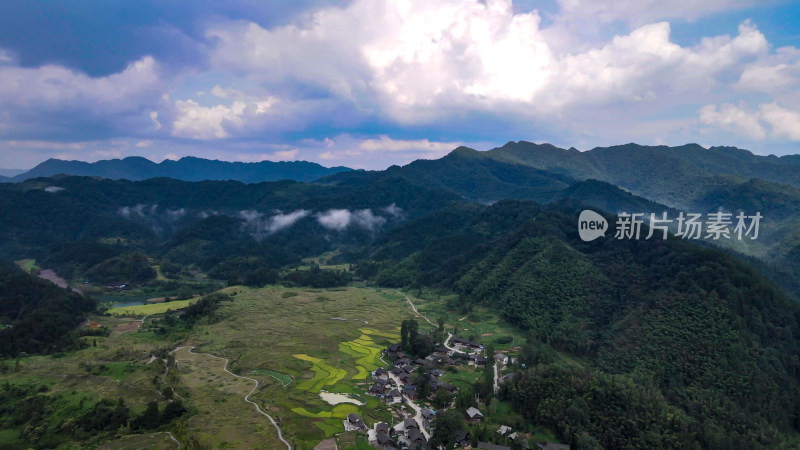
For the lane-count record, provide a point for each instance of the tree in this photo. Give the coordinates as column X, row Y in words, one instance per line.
column 446, row 426
column 184, row 293
column 149, row 419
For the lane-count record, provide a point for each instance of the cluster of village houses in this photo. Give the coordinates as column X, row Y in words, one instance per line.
column 395, row 387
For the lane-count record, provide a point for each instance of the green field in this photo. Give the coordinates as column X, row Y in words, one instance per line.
column 154, row 308
column 272, row 337
column 288, row 343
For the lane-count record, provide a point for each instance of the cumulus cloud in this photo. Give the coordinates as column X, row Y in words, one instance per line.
column 450, row 64
column 770, row 119
column 784, row 122
column 419, row 60
column 195, row 121
column 733, row 118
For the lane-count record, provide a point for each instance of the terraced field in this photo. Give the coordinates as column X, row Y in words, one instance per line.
column 366, row 353
column 276, row 338
column 324, row 375
column 289, row 343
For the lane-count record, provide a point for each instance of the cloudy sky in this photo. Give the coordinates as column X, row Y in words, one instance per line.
column 370, row 83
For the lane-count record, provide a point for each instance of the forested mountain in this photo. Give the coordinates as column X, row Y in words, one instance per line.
column 80, row 225
column 682, row 325
column 690, row 178
column 471, row 175
column 188, row 169
column 640, row 344
column 669, row 175
column 37, row 316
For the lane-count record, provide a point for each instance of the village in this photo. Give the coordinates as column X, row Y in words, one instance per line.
column 413, row 386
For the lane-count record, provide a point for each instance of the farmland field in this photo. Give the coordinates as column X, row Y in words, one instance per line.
column 154, row 308
column 265, row 334
column 294, row 345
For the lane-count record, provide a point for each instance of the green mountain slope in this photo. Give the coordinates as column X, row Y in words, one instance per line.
column 471, row 175
column 670, row 175
column 37, row 315
column 716, row 341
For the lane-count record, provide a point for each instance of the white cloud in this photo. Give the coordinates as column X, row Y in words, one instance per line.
column 335, row 219
column 733, row 118
column 782, row 122
column 340, row 219
column 195, row 121
column 346, row 147
column 419, row 61
column 58, row 88
column 281, row 221
column 394, row 210
column 154, row 117
column 144, row 144
column 386, row 144
column 367, row 220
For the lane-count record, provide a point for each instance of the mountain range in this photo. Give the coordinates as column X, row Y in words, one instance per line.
column 638, row 343
column 188, row 169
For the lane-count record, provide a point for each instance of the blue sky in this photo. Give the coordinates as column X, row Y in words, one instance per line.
column 370, row 83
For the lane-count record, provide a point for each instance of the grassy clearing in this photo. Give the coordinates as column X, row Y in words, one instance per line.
column 28, row 265
column 154, row 308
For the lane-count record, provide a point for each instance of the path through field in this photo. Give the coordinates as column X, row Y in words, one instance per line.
column 417, row 312
column 247, row 396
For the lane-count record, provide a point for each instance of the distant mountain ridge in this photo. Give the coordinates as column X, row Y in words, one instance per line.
column 675, row 176
column 136, row 168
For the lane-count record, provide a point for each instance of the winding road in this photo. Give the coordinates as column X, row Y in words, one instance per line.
column 246, row 397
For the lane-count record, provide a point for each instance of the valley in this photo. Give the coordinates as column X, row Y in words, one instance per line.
column 218, row 313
